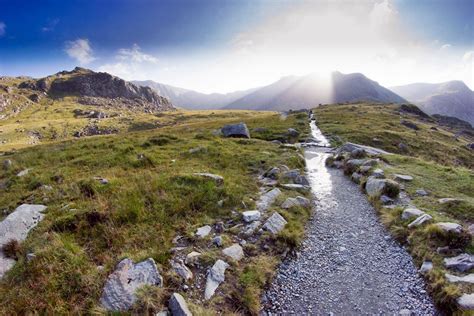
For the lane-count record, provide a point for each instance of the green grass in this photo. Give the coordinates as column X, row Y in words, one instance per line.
column 151, row 197
column 438, row 163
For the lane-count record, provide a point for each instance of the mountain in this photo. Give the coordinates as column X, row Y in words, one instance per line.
column 452, row 98
column 96, row 88
column 299, row 92
column 193, row 100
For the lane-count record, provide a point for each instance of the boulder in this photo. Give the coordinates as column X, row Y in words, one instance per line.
column 450, row 227
column 16, row 226
column 426, row 267
column 203, row 231
column 466, row 301
column 267, row 199
column 455, row 279
column 463, row 262
column 275, row 223
column 250, row 216
column 119, row 290
column 358, row 153
column 181, row 269
column 235, row 252
column 296, row 187
column 215, row 277
column 403, row 177
column 192, row 257
column 411, row 212
column 209, row 176
column 420, row 220
column 364, row 169
column 178, row 306
column 290, row 174
column 239, row 130
column 377, row 187
column 298, row 201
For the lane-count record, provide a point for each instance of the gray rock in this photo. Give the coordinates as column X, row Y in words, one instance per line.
column 376, row 187
column 250, row 216
column 23, row 173
column 403, row 177
column 178, row 306
column 463, row 262
column 449, row 200
column 358, row 153
column 181, row 269
column 470, row 229
column 272, row 173
column 275, row 223
column 30, row 256
column 356, row 177
column 215, row 277
column 411, row 212
column 426, row 267
column 235, row 252
column 409, row 125
column 214, row 177
column 466, row 301
column 420, row 220
column 203, row 231
column 450, row 227
column 16, row 226
column 349, row 147
column 119, row 290
column 236, row 130
column 365, row 169
column 370, row 162
column 386, row 200
column 250, row 229
column 293, row 132
column 455, row 279
column 192, row 257
column 7, row 163
column 298, row 201
column 378, row 173
column 290, row 174
column 421, row 192
column 296, row 187
column 217, row 241
column 301, row 180
column 267, row 199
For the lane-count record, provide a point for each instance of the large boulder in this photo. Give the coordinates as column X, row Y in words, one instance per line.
column 239, row 130
column 376, row 187
column 178, row 306
column 215, row 277
column 16, row 226
column 120, row 287
column 463, row 262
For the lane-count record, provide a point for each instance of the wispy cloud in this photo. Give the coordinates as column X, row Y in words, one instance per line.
column 3, row 28
column 135, row 54
column 80, row 49
column 50, row 26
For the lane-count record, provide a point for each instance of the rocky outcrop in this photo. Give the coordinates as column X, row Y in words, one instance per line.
column 239, row 130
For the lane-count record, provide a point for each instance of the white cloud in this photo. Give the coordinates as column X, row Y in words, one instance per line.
column 135, row 54
column 80, row 49
column 446, row 46
column 3, row 27
column 50, row 26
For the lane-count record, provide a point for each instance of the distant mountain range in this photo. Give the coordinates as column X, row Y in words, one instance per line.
column 452, row 98
column 291, row 92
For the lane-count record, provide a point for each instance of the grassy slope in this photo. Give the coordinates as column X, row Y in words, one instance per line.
column 439, row 164
column 147, row 202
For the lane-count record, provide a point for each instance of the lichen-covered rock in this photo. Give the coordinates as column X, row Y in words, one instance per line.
column 275, row 223
column 267, row 199
column 377, row 187
column 298, row 201
column 236, row 130
column 463, row 262
column 215, row 277
column 178, row 306
column 120, row 287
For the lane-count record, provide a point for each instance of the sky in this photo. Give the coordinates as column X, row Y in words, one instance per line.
column 229, row 45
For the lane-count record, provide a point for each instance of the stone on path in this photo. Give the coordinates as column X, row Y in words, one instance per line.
column 298, row 201
column 455, row 279
column 16, row 226
column 466, row 301
column 420, row 220
column 275, row 223
column 203, row 231
column 235, row 252
column 250, row 216
column 219, row 180
column 463, row 262
column 178, row 306
column 267, row 199
column 411, row 212
column 450, row 227
column 403, row 177
column 215, row 277
column 120, row 287
column 236, row 130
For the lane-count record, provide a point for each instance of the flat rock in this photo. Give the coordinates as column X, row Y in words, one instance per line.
column 267, row 199
column 298, row 201
column 219, row 180
column 411, row 212
column 349, row 147
column 421, row 192
column 178, row 305
column 192, row 257
column 466, row 301
column 236, row 130
column 23, row 173
column 215, row 277
column 296, row 187
column 420, row 220
column 275, row 223
column 203, row 231
column 403, row 177
column 449, row 200
column 120, row 287
column 377, row 187
column 463, row 262
column 181, row 269
column 250, row 216
column 450, row 227
column 16, row 226
column 455, row 279
column 235, row 252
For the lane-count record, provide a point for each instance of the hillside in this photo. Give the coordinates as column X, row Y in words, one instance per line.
column 452, row 98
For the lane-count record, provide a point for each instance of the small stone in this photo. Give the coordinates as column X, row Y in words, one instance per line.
column 378, row 173
column 455, row 279
column 192, row 257
column 421, row 192
column 403, row 177
column 411, row 212
column 297, row 187
column 450, row 227
column 275, row 223
column 298, row 201
column 181, row 270
column 215, row 277
column 217, row 241
column 426, row 267
column 23, row 173
column 203, row 231
column 449, row 200
column 235, row 252
column 7, row 163
column 30, row 256
column 386, row 200
column 420, row 220
column 250, row 216
column 178, row 306
column 219, row 227
column 267, row 199
column 356, row 177
column 466, row 301
column 219, row 180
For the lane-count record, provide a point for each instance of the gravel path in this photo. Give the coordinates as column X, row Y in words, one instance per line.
column 348, row 265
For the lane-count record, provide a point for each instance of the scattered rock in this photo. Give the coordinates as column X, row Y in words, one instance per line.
column 214, row 177
column 421, row 192
column 449, row 200
column 356, row 177
column 426, row 267
column 7, row 163
column 275, row 223
column 182, row 270
column 378, row 173
column 420, row 220
column 272, row 173
column 250, row 216
column 463, row 262
column 301, row 180
column 215, row 277
column 236, row 130
column 377, row 187
column 411, row 212
column 120, row 287
column 178, row 306
column 235, row 252
column 349, row 147
column 293, row 132
column 455, row 279
column 450, row 227
column 386, row 200
column 203, row 231
column 250, row 229
column 364, row 169
column 219, row 227
column 297, row 187
column 192, row 257
column 23, row 173
column 217, row 241
column 403, row 177
column 409, row 124
column 466, row 301
column 358, row 153
column 298, row 201
column 267, row 199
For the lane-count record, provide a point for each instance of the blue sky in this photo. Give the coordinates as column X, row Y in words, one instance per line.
column 228, row 45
